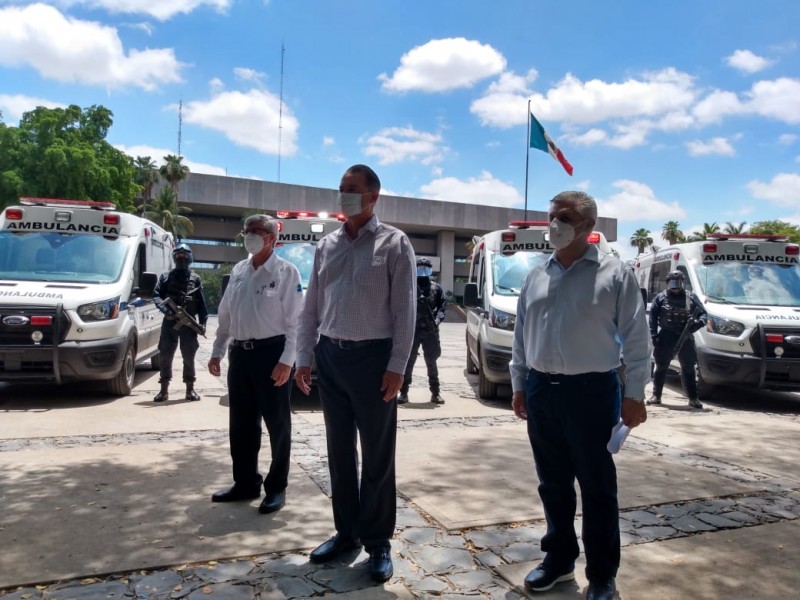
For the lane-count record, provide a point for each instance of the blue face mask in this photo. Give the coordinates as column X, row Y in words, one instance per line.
column 424, row 271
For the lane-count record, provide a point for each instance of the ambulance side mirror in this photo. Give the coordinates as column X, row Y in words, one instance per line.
column 147, row 285
column 471, row 295
column 644, row 295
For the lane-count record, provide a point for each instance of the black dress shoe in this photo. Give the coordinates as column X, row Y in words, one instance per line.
column 542, row 579
column 272, row 503
column 402, row 398
column 437, row 399
column 603, row 589
column 380, row 564
column 236, row 493
column 332, row 548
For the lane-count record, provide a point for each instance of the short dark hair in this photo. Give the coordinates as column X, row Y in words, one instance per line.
column 585, row 204
column 373, row 182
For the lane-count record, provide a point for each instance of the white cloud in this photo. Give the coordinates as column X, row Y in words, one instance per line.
column 784, row 189
column 245, row 74
column 328, row 140
column 787, row 139
column 158, row 154
column 747, row 62
column 717, row 145
column 161, row 10
column 70, row 50
column 483, row 190
column 776, row 99
column 717, row 105
column 13, row 105
column 637, row 202
column 401, row 144
column 441, row 65
column 248, row 119
column 505, row 102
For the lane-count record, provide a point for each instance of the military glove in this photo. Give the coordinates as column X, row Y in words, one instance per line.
column 697, row 325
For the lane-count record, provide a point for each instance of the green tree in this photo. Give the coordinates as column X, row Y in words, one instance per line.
column 734, row 228
column 672, row 232
column 792, row 232
column 147, row 175
column 174, row 171
column 708, row 229
column 212, row 284
column 164, row 211
column 63, row 153
column 641, row 239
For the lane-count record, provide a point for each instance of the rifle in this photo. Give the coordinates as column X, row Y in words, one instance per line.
column 184, row 319
column 687, row 331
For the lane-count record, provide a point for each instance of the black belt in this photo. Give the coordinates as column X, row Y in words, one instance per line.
column 352, row 344
column 253, row 344
column 556, row 378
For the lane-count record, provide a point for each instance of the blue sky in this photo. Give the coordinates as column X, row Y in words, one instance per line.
column 686, row 110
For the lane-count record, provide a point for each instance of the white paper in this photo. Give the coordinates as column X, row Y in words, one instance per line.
column 618, row 435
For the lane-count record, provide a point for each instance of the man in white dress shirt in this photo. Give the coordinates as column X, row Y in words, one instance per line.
column 258, row 326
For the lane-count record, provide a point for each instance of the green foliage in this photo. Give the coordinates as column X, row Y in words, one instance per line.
column 641, row 239
column 212, row 285
column 776, row 228
column 174, row 171
column 734, row 228
column 671, row 232
column 164, row 211
column 63, row 153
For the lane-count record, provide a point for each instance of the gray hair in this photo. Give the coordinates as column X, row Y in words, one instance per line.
column 267, row 222
column 584, row 203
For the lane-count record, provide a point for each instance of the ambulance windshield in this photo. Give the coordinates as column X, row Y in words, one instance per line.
column 77, row 258
column 509, row 271
column 750, row 283
column 301, row 256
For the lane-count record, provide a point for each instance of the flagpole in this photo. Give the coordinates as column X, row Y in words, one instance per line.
column 527, row 155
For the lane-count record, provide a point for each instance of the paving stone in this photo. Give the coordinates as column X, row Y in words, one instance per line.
column 408, row 517
column 288, row 564
column 435, row 559
column 526, row 534
column 431, row 584
column 643, row 517
column 717, row 520
column 221, row 572
column 779, row 512
column 419, row 535
column 627, row 538
column 488, row 559
column 93, row 591
column 24, row 594
column 740, row 517
column 690, row 524
column 341, row 579
column 670, row 511
column 521, row 552
column 488, row 538
column 656, row 533
column 297, row 587
column 156, row 584
column 451, row 541
column 471, row 580
column 223, row 590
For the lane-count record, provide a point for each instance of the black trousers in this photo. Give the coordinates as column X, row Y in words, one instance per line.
column 252, row 397
column 662, row 356
column 352, row 401
column 168, row 344
column 569, row 425
column 431, row 350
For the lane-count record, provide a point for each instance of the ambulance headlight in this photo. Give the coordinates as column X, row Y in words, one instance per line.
column 501, row 319
column 100, row 311
column 724, row 326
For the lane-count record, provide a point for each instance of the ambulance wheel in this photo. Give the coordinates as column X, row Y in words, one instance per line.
column 122, row 384
column 155, row 362
column 704, row 389
column 487, row 390
column 471, row 368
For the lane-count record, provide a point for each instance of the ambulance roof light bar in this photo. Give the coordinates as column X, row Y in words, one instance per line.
column 527, row 224
column 747, row 236
column 305, row 214
column 61, row 203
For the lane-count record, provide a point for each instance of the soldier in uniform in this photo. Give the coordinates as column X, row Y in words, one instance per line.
column 670, row 311
column 430, row 312
column 186, row 291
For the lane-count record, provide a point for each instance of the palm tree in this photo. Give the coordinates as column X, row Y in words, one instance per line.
column 671, row 232
column 641, row 239
column 147, row 176
column 164, row 210
column 733, row 228
column 174, row 171
column 709, row 228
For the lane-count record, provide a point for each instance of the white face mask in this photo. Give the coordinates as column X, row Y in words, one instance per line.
column 253, row 243
column 561, row 234
column 349, row 204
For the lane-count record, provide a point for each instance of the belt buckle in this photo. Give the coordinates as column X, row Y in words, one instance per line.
column 248, row 345
column 343, row 344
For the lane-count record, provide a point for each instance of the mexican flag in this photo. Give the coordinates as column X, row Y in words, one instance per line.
column 541, row 141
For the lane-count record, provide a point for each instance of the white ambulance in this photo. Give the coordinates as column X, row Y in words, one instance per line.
column 71, row 273
column 298, row 234
column 750, row 287
column 500, row 261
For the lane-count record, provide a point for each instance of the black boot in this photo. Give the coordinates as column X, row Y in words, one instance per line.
column 191, row 395
column 163, row 395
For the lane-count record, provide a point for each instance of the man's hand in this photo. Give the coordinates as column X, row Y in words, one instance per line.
column 392, row 382
column 302, row 377
column 214, row 367
column 518, row 404
column 280, row 374
column 633, row 413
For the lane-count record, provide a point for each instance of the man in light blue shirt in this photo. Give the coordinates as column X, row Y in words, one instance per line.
column 578, row 314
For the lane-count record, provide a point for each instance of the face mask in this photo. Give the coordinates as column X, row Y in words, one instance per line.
column 253, row 243
column 561, row 234
column 349, row 204
column 424, row 271
column 182, row 264
column 674, row 286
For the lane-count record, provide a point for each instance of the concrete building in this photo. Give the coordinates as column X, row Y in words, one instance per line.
column 437, row 229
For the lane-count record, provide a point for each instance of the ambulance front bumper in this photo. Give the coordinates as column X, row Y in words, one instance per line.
column 728, row 368
column 495, row 361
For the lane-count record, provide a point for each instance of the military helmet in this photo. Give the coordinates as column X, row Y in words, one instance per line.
column 675, row 275
column 183, row 248
column 424, row 262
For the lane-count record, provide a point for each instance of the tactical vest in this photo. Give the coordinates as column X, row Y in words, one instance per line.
column 426, row 306
column 182, row 290
column 674, row 313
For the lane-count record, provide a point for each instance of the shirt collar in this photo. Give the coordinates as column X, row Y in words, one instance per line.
column 371, row 226
column 592, row 254
column 269, row 264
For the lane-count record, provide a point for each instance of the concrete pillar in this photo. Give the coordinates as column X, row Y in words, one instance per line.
column 445, row 250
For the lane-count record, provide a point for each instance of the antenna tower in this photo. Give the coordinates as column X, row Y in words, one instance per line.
column 280, row 114
column 180, row 124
